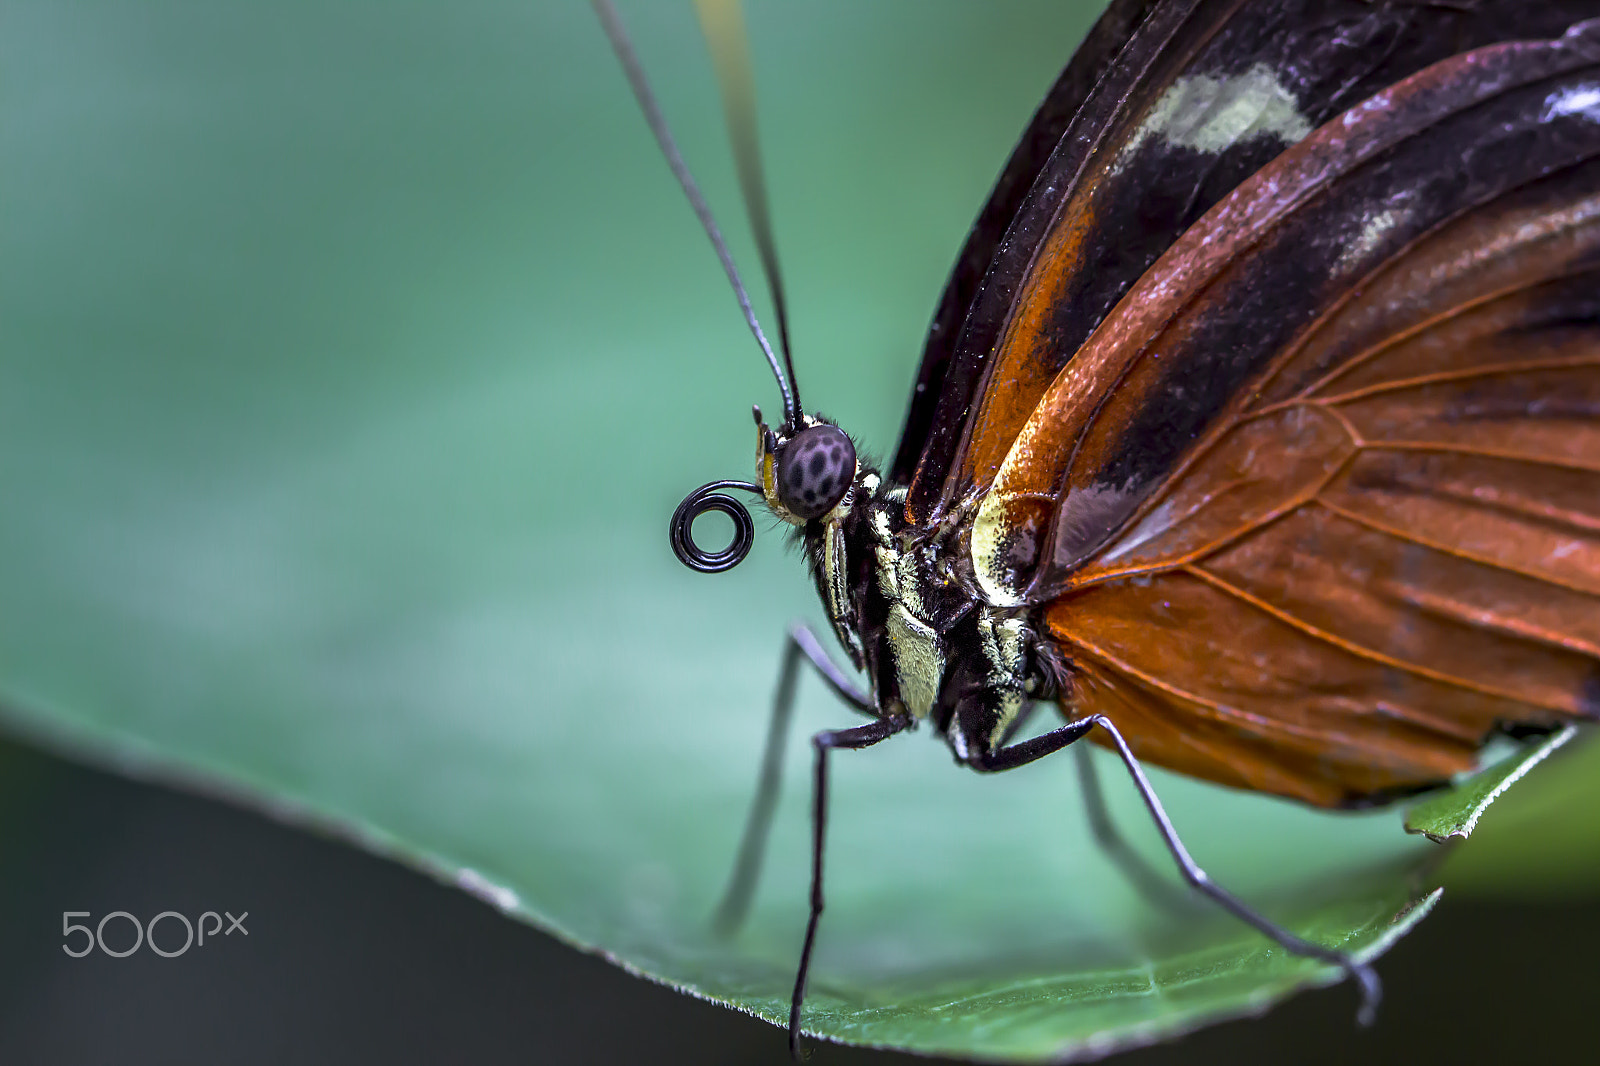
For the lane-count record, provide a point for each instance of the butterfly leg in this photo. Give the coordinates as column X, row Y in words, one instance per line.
column 861, row 736
column 1007, row 758
column 1139, row 873
column 741, row 888
column 1156, row 890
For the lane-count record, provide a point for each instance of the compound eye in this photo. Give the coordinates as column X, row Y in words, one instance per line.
column 815, row 470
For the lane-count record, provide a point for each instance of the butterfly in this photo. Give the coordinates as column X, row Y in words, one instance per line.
column 1257, row 430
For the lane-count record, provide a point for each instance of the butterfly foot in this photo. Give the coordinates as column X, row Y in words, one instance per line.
column 1371, row 990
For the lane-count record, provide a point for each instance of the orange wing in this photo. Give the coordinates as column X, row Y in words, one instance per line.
column 1166, row 107
column 1384, row 543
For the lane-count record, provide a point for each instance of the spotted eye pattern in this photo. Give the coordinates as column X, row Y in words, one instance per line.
column 814, row 471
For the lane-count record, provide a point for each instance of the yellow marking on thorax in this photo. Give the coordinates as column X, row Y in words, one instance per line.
column 918, row 654
column 990, row 528
column 1003, row 647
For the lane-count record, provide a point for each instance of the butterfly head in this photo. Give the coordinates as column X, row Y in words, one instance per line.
column 807, row 471
column 811, row 477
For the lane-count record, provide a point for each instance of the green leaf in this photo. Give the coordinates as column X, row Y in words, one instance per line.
column 1453, row 813
column 1544, row 839
column 353, row 360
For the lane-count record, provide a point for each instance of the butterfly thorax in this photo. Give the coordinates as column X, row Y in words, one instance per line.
column 902, row 599
column 910, row 616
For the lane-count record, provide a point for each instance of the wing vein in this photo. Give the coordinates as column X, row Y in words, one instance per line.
column 1440, row 448
column 1576, row 219
column 1443, row 376
column 1423, row 542
column 1358, row 650
column 1222, row 710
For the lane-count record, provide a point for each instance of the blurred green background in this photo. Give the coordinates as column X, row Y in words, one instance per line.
column 351, row 360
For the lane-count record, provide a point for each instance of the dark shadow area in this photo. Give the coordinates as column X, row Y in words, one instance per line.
column 352, row 959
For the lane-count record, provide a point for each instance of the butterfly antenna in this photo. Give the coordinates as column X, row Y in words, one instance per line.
column 722, row 22
column 669, row 148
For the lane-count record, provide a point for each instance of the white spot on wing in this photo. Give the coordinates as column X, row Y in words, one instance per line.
column 1372, row 232
column 1574, row 100
column 1211, row 114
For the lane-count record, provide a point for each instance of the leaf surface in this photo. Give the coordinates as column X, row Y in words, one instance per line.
column 353, row 360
